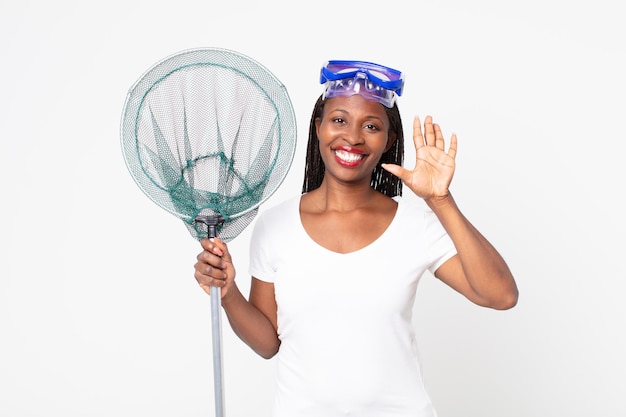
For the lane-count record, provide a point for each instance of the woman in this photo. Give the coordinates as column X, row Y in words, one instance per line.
column 335, row 270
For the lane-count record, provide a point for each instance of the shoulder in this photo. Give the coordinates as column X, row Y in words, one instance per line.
column 412, row 207
column 281, row 209
column 273, row 237
column 279, row 217
column 414, row 216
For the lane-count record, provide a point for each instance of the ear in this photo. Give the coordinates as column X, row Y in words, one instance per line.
column 391, row 140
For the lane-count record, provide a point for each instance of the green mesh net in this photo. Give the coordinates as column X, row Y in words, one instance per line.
column 209, row 132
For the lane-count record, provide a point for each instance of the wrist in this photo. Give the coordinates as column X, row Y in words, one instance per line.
column 440, row 202
column 229, row 296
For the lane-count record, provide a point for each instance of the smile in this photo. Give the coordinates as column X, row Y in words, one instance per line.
column 348, row 158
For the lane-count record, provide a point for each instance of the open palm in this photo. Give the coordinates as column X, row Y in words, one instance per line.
column 434, row 167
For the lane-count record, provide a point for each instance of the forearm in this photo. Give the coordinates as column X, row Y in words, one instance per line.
column 250, row 324
column 485, row 270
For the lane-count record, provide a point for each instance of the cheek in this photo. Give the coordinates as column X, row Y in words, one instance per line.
column 391, row 140
column 325, row 133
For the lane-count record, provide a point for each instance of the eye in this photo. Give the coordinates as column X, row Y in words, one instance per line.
column 340, row 120
column 371, row 126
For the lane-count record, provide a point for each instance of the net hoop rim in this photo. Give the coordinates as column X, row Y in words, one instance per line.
column 287, row 113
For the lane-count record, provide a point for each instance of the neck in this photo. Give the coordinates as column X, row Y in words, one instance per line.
column 342, row 197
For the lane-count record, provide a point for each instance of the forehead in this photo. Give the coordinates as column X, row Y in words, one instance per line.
column 355, row 105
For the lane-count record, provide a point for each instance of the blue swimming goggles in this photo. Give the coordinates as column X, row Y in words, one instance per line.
column 372, row 81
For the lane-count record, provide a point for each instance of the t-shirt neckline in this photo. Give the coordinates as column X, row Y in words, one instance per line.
column 369, row 246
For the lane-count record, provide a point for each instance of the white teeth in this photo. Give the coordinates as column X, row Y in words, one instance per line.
column 348, row 156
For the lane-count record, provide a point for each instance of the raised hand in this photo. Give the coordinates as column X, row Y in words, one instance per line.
column 434, row 167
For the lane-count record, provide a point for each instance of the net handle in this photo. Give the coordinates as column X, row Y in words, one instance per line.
column 212, row 223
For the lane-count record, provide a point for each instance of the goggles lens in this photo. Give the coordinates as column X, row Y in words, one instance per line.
column 374, row 82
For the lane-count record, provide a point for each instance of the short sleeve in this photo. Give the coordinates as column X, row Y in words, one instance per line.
column 441, row 246
column 260, row 264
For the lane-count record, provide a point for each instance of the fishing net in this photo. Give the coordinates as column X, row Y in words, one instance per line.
column 209, row 133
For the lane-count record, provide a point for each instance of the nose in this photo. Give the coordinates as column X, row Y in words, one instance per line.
column 353, row 135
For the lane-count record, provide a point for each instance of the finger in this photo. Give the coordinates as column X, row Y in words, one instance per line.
column 211, row 245
column 429, row 131
column 418, row 138
column 208, row 280
column 218, row 247
column 211, row 266
column 397, row 170
column 211, row 260
column 211, row 282
column 222, row 248
column 453, row 146
column 439, row 141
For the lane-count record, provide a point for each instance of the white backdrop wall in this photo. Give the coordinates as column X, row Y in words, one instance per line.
column 99, row 312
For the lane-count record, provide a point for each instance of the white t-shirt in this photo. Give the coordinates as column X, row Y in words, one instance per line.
column 344, row 320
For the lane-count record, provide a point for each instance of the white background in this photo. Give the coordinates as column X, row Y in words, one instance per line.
column 99, row 312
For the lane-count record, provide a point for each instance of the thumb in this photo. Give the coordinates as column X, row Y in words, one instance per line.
column 397, row 170
column 222, row 247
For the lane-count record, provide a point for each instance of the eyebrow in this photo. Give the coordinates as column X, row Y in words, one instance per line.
column 346, row 112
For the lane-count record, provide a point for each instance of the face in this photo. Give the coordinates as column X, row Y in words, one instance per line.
column 353, row 135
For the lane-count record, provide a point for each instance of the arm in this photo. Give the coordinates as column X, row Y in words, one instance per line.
column 477, row 271
column 253, row 321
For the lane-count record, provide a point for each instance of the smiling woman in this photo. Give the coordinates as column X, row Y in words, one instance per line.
column 354, row 132
column 344, row 304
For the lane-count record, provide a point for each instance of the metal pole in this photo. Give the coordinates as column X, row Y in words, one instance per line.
column 216, row 323
column 218, row 372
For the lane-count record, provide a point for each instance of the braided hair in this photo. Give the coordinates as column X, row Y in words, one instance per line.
column 382, row 180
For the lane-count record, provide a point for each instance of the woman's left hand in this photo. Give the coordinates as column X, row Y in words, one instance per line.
column 434, row 167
